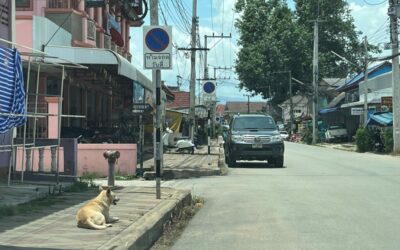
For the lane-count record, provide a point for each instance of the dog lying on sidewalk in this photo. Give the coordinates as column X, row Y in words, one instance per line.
column 95, row 213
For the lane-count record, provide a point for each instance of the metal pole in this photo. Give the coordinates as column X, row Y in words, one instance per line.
column 365, row 81
column 291, row 103
column 26, row 110
column 192, row 88
column 157, row 80
column 11, row 163
column 158, row 134
column 60, row 101
column 36, row 107
column 209, row 131
column 248, row 104
column 315, row 84
column 205, row 58
column 141, row 141
column 395, row 78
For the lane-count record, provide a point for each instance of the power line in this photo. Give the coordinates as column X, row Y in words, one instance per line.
column 384, row 1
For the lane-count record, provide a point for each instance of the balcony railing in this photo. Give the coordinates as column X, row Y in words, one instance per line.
column 63, row 4
column 91, row 30
column 107, row 41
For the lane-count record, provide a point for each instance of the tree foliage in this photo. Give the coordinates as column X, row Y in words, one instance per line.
column 275, row 39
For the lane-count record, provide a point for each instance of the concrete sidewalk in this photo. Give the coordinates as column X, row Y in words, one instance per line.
column 142, row 218
column 179, row 165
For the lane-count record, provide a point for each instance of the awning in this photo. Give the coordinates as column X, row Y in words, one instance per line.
column 381, row 119
column 360, row 103
column 98, row 56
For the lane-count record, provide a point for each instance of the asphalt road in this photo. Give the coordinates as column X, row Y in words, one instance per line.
column 323, row 199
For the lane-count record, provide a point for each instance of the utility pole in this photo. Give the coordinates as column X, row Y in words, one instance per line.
column 365, row 81
column 157, row 79
column 393, row 7
column 192, row 88
column 315, row 85
column 206, row 77
column 291, row 103
column 248, row 104
column 205, row 54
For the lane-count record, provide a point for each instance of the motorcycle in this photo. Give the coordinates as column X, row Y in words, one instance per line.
column 379, row 147
column 181, row 145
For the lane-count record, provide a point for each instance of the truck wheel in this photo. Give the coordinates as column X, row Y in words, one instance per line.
column 231, row 162
column 278, row 162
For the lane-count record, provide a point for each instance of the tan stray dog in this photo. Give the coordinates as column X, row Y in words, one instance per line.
column 95, row 213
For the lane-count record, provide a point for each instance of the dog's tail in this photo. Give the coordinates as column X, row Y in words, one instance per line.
column 89, row 224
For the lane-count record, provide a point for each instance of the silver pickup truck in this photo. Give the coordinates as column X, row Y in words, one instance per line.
column 336, row 133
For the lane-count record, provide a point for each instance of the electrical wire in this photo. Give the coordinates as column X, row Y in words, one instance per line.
column 382, row 2
column 162, row 13
column 379, row 29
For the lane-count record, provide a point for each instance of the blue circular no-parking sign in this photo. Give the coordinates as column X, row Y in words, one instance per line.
column 157, row 39
column 209, row 87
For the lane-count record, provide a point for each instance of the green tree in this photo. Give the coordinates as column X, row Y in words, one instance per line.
column 274, row 38
column 337, row 33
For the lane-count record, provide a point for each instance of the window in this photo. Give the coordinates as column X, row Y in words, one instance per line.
column 53, row 86
column 248, row 122
column 23, row 4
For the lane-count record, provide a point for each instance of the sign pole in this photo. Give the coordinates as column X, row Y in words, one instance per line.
column 157, row 79
column 209, row 131
column 158, row 134
column 141, row 139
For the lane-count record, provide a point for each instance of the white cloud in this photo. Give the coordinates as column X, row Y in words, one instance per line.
column 371, row 20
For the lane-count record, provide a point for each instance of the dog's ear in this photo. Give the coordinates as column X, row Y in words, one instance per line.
column 108, row 191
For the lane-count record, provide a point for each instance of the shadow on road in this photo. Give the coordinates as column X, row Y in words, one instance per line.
column 255, row 164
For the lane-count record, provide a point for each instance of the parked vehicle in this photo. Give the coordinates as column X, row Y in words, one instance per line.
column 335, row 133
column 254, row 137
column 180, row 144
column 284, row 135
column 296, row 138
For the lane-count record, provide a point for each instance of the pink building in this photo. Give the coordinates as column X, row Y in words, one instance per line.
column 94, row 34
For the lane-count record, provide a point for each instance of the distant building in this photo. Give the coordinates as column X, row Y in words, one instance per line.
column 301, row 108
column 245, row 107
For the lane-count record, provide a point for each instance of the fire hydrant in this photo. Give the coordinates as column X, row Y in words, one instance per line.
column 112, row 157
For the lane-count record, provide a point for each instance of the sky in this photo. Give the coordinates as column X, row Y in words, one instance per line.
column 217, row 17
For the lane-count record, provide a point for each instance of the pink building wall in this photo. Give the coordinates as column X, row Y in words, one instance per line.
column 24, row 34
column 91, row 160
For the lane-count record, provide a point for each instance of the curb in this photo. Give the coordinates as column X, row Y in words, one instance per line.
column 221, row 162
column 181, row 174
column 145, row 232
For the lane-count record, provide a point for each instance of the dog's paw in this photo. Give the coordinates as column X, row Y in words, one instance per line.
column 109, row 225
column 113, row 219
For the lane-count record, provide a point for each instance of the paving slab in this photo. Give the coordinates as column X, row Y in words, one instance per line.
column 141, row 215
